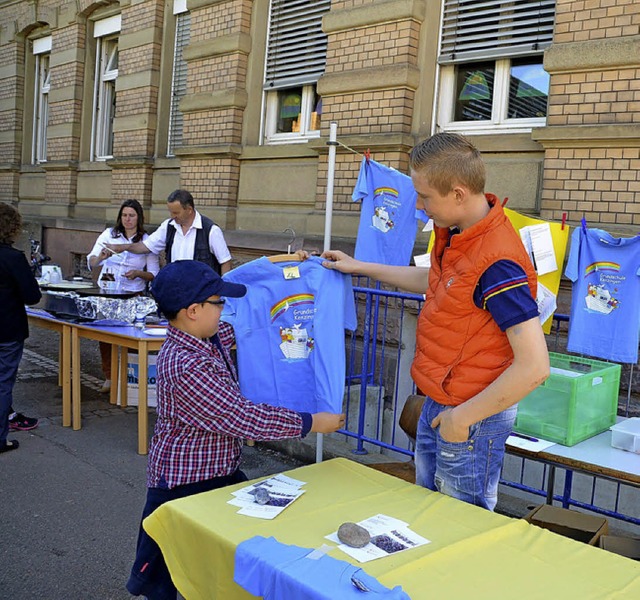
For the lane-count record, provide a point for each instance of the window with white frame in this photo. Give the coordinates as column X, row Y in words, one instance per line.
column 296, row 57
column 491, row 76
column 179, row 76
column 104, row 94
column 42, row 84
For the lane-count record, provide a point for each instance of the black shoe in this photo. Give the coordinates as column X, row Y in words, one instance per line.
column 9, row 445
column 20, row 422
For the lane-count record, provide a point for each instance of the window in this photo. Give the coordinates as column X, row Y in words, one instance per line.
column 42, row 54
column 179, row 76
column 296, row 57
column 492, row 76
column 104, row 95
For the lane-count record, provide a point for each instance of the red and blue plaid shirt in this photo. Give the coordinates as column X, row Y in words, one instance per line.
column 202, row 415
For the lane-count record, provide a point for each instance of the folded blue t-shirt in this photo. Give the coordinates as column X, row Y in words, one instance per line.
column 267, row 568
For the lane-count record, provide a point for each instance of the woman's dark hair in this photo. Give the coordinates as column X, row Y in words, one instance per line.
column 10, row 223
column 119, row 228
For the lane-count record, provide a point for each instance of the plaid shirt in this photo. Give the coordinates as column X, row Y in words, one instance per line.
column 202, row 415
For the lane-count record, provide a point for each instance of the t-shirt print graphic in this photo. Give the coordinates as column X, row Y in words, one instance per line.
column 297, row 341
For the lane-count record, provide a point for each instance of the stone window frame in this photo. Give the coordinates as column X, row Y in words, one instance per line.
column 308, row 121
column 41, row 50
column 295, row 58
column 106, row 33
column 499, row 122
column 494, row 32
column 181, row 39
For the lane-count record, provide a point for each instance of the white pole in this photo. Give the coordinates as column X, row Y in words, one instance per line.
column 328, row 215
column 331, row 169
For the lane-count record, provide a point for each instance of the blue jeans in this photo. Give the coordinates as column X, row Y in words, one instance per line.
column 10, row 355
column 469, row 471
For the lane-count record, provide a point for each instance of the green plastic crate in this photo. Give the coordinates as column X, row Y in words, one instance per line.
column 577, row 401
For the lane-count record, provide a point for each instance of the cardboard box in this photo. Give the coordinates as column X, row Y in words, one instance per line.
column 132, row 380
column 625, row 546
column 569, row 523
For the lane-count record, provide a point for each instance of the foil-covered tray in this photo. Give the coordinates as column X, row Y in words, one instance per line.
column 102, row 307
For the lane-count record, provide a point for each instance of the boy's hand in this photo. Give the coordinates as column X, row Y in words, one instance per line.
column 339, row 261
column 450, row 429
column 325, row 422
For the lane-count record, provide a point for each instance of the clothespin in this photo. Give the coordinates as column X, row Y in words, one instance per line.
column 583, row 222
column 367, row 155
column 564, row 220
column 504, row 202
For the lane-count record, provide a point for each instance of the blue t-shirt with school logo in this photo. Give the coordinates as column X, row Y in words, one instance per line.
column 388, row 224
column 605, row 306
column 290, row 333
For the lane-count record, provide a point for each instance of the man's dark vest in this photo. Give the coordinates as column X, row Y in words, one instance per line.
column 201, row 251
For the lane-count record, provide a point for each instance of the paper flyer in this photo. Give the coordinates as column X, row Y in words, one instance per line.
column 282, row 491
column 388, row 536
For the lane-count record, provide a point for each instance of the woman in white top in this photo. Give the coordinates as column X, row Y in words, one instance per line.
column 132, row 272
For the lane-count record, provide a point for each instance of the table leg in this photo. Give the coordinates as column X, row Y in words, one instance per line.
column 124, row 376
column 60, row 355
column 551, row 481
column 65, row 374
column 115, row 375
column 143, row 412
column 75, row 378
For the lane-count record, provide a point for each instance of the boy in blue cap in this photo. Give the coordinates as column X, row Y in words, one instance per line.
column 202, row 416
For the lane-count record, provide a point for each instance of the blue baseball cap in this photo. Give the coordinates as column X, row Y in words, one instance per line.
column 185, row 282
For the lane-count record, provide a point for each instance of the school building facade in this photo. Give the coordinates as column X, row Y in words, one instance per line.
column 232, row 100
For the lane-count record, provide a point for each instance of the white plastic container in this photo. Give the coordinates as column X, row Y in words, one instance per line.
column 626, row 435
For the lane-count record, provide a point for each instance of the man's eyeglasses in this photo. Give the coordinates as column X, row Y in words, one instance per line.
column 215, row 302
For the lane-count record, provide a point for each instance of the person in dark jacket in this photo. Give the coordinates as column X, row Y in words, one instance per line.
column 18, row 287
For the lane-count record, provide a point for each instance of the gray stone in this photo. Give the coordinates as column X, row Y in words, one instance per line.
column 353, row 535
column 262, row 496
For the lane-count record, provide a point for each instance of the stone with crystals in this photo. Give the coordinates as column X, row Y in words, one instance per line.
column 262, row 496
column 353, row 535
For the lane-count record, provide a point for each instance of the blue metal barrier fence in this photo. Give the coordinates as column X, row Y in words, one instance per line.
column 378, row 381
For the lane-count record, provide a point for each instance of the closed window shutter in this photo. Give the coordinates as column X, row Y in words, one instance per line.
column 489, row 29
column 297, row 47
column 179, row 81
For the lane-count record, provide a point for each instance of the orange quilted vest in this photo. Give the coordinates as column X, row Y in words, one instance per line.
column 460, row 349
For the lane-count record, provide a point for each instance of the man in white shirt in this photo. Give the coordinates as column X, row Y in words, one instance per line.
column 187, row 235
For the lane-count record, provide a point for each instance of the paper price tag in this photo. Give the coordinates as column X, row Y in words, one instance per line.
column 291, row 272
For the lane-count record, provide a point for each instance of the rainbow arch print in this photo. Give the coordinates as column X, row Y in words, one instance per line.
column 385, row 190
column 602, row 266
column 289, row 302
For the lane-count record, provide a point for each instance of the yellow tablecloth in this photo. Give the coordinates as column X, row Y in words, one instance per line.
column 473, row 553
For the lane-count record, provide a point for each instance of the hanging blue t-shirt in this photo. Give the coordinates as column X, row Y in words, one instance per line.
column 290, row 333
column 605, row 311
column 388, row 224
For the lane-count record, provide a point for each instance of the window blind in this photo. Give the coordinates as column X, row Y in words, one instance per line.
column 178, row 81
column 489, row 29
column 296, row 46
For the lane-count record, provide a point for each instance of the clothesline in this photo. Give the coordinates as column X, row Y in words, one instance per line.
column 350, row 149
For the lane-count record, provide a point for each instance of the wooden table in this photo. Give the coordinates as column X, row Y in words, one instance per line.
column 130, row 338
column 44, row 320
column 473, row 553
